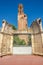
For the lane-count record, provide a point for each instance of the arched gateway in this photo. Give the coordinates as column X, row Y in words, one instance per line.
column 6, row 37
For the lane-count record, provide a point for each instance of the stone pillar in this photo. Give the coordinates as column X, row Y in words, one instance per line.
column 32, row 41
column 11, row 46
column 3, row 25
column 42, row 42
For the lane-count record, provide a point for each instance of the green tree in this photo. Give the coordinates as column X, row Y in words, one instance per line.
column 18, row 41
column 13, row 27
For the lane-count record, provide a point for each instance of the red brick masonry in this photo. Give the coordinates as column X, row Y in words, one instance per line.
column 21, row 60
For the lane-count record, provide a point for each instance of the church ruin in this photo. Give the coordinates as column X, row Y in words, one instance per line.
column 6, row 34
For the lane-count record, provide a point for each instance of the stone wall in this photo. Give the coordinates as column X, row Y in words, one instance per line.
column 37, row 37
column 6, row 39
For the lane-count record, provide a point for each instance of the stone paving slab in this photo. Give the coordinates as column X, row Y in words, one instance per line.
column 21, row 60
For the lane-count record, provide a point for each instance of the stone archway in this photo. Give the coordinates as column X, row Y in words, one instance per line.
column 6, row 38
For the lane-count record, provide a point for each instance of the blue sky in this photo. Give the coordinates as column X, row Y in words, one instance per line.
column 9, row 10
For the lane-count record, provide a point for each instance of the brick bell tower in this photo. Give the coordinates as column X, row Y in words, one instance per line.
column 22, row 19
column 22, row 23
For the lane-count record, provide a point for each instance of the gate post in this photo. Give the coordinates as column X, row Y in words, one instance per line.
column 32, row 40
column 11, row 46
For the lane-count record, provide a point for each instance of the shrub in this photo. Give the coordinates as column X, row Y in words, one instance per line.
column 18, row 41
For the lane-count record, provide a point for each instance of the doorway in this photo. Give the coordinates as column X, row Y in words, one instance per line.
column 22, row 44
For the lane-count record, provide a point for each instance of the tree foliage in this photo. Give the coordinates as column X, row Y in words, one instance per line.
column 13, row 27
column 18, row 41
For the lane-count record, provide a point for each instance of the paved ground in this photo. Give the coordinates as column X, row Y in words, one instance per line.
column 22, row 50
column 21, row 60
